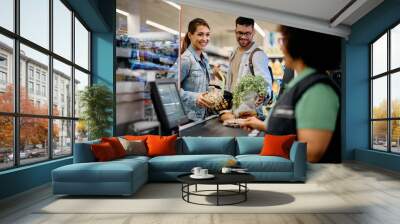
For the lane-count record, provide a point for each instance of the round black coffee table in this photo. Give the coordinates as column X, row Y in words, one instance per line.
column 238, row 179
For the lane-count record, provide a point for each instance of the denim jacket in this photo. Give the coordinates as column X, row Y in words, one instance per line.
column 195, row 77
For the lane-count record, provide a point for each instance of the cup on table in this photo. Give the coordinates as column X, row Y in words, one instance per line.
column 196, row 171
column 203, row 172
column 226, row 170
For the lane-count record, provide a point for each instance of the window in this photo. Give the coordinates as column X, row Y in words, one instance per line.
column 81, row 45
column 3, row 61
column 62, row 140
column 30, row 87
column 385, row 94
column 38, row 89
column 37, row 74
column 3, row 72
column 6, row 143
column 44, row 91
column 62, row 74
column 7, row 74
column 35, row 22
column 7, row 14
column 395, row 47
column 54, row 126
column 3, row 78
column 81, row 81
column 30, row 73
column 62, row 29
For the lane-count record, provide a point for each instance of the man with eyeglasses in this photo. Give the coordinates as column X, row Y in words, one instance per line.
column 248, row 55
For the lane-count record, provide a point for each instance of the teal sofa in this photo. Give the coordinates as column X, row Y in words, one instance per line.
column 125, row 176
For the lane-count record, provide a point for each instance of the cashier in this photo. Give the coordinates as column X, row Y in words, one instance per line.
column 309, row 106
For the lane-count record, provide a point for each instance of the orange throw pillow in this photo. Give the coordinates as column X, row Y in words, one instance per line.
column 277, row 145
column 103, row 152
column 116, row 145
column 135, row 137
column 161, row 145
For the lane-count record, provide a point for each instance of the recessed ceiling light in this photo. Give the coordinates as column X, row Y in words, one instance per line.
column 162, row 27
column 173, row 4
column 122, row 12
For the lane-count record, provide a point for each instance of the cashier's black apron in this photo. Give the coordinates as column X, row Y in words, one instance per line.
column 282, row 120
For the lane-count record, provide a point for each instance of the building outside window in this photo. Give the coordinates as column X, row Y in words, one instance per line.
column 385, row 94
column 34, row 74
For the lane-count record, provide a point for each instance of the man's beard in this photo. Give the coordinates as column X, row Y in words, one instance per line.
column 245, row 44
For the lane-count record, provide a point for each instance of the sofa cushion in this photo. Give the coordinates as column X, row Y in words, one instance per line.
column 116, row 145
column 112, row 171
column 257, row 163
column 161, row 145
column 277, row 145
column 103, row 152
column 249, row 145
column 208, row 145
column 134, row 147
column 185, row 163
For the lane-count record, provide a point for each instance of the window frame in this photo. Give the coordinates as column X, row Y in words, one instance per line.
column 16, row 114
column 388, row 74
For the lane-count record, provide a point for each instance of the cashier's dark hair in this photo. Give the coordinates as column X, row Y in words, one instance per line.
column 192, row 29
column 317, row 50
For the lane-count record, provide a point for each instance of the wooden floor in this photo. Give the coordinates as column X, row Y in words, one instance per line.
column 377, row 188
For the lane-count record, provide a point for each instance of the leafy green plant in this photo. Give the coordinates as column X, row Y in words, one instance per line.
column 96, row 102
column 247, row 85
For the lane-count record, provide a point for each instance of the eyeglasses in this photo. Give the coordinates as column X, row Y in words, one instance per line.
column 247, row 34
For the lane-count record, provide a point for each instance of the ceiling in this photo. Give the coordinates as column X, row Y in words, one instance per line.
column 320, row 9
column 160, row 12
column 316, row 15
column 313, row 15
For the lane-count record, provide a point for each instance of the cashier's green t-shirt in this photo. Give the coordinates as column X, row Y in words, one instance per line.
column 318, row 106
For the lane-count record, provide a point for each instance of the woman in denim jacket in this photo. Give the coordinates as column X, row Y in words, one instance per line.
column 195, row 70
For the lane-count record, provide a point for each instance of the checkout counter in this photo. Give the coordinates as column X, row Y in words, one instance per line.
column 211, row 127
column 171, row 114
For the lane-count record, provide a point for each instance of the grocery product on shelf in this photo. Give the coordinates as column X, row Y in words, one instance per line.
column 135, row 53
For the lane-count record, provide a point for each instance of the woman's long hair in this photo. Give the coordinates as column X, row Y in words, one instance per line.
column 192, row 29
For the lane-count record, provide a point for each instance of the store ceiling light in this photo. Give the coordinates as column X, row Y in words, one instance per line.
column 122, row 12
column 173, row 4
column 259, row 30
column 162, row 27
